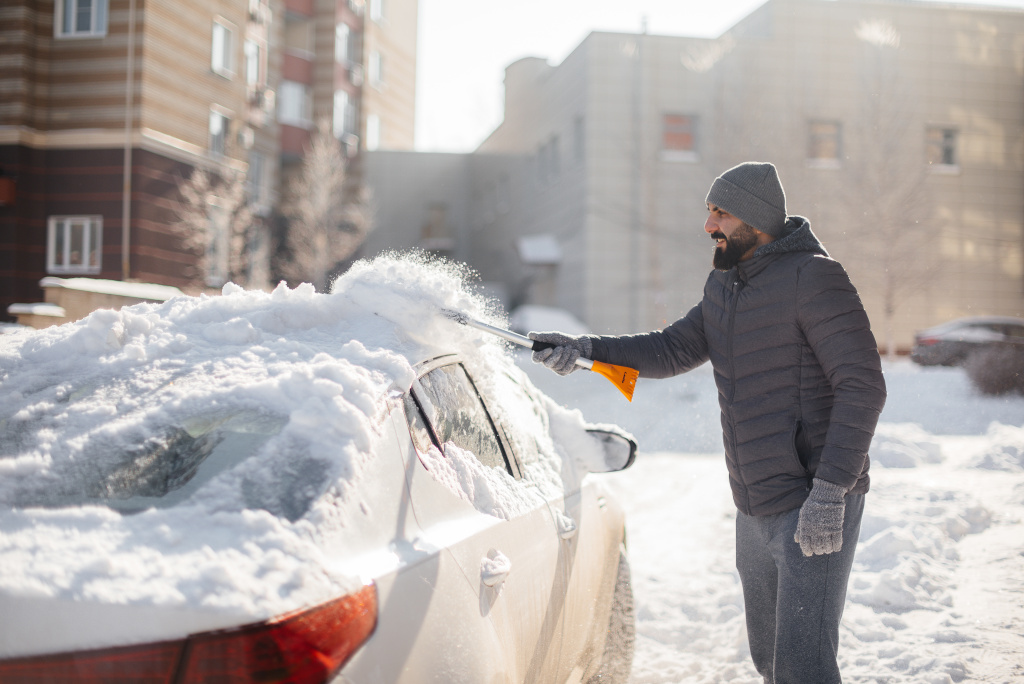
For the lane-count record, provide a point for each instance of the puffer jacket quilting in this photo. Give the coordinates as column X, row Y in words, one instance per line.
column 796, row 365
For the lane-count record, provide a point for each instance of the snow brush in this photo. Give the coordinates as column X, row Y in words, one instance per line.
column 622, row 377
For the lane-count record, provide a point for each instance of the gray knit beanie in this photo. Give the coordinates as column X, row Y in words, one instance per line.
column 752, row 193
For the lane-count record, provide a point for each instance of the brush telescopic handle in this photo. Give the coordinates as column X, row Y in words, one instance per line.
column 500, row 332
column 522, row 340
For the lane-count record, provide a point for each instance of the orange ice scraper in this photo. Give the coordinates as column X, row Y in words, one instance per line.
column 622, row 377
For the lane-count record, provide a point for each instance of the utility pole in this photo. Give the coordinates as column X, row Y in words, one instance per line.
column 126, row 183
column 636, row 220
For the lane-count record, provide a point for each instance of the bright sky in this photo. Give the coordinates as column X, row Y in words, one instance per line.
column 465, row 45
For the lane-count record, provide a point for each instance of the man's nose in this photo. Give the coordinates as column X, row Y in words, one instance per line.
column 709, row 225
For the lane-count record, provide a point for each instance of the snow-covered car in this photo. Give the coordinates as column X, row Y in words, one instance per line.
column 953, row 342
column 303, row 487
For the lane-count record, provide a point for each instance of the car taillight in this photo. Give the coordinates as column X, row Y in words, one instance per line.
column 304, row 647
column 155, row 663
column 927, row 341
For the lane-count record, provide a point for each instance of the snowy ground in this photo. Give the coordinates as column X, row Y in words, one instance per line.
column 937, row 592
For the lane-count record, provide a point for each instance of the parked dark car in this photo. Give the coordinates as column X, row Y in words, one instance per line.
column 953, row 342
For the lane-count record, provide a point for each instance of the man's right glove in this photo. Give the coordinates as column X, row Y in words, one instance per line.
column 562, row 357
column 819, row 529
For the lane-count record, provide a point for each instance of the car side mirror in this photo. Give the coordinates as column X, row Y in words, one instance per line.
column 618, row 448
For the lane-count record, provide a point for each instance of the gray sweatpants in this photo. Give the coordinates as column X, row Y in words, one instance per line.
column 794, row 602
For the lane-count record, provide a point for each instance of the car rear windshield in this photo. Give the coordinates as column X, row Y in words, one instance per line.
column 157, row 471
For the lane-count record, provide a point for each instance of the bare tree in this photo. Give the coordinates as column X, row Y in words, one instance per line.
column 214, row 220
column 887, row 197
column 328, row 217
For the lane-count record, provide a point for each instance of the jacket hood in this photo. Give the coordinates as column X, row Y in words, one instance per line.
column 797, row 237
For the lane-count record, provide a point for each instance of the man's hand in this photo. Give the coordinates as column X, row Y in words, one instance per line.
column 820, row 526
column 562, row 357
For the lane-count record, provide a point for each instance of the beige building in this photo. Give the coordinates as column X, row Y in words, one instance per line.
column 898, row 130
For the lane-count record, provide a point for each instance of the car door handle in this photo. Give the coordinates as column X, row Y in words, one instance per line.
column 566, row 526
column 494, row 568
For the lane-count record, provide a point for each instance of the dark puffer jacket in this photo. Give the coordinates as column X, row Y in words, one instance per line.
column 799, row 377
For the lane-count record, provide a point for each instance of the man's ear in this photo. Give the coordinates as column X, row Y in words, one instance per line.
column 763, row 238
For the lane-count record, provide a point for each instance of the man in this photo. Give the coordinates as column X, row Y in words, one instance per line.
column 800, row 388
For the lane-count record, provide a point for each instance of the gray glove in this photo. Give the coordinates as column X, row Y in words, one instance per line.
column 562, row 357
column 820, row 526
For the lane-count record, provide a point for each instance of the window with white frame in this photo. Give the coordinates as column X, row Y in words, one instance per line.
column 219, row 125
column 342, row 37
column 222, row 48
column 824, row 144
column 74, row 244
column 377, row 10
column 376, row 68
column 942, row 148
column 80, row 18
column 253, row 59
column 372, row 132
column 295, row 104
column 339, row 122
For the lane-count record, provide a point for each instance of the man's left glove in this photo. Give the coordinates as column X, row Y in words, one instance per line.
column 562, row 357
column 819, row 529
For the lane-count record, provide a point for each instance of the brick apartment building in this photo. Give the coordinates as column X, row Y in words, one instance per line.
column 106, row 106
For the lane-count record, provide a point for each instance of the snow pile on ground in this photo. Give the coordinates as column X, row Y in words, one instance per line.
column 297, row 377
column 937, row 590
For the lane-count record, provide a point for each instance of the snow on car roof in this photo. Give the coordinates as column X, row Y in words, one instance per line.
column 319, row 365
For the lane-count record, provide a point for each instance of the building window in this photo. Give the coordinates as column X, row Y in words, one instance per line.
column 824, row 144
column 344, row 119
column 342, row 37
column 679, row 137
column 298, row 37
column 377, row 10
column 376, row 68
column 941, row 149
column 80, row 18
column 219, row 125
column 222, row 50
column 296, row 104
column 339, row 127
column 372, row 132
column 253, row 72
column 74, row 244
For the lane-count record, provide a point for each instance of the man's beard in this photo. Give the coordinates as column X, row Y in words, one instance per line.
column 742, row 241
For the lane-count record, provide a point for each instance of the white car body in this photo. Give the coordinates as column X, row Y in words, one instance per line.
column 353, row 519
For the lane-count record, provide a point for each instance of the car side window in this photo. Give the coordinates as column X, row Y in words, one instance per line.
column 523, row 417
column 447, row 401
